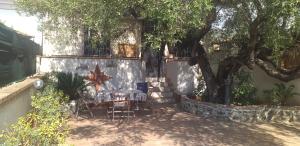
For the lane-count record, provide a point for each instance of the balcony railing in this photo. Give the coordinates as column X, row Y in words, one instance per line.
column 100, row 50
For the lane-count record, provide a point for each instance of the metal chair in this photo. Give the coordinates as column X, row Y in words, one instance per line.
column 120, row 105
column 83, row 103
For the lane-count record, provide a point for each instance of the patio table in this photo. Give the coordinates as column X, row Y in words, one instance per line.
column 134, row 95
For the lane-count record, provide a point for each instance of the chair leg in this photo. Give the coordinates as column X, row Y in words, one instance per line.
column 128, row 113
column 90, row 111
column 121, row 114
column 76, row 109
column 113, row 114
column 107, row 112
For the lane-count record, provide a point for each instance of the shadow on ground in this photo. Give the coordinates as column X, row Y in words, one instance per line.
column 170, row 126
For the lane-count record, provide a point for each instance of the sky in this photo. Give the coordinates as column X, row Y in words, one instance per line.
column 26, row 25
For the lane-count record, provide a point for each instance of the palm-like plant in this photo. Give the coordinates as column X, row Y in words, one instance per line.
column 281, row 93
column 70, row 84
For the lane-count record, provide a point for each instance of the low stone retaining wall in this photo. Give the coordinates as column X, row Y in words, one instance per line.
column 15, row 101
column 242, row 113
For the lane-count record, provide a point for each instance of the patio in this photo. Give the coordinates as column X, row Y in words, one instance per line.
column 170, row 126
column 210, row 72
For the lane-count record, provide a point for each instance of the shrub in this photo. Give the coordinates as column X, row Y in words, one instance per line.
column 279, row 94
column 70, row 83
column 50, row 79
column 44, row 125
column 244, row 91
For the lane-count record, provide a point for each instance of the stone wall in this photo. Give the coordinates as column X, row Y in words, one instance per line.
column 264, row 82
column 242, row 113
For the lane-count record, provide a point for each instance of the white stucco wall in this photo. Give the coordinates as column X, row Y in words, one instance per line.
column 125, row 72
column 264, row 82
column 184, row 77
column 18, row 102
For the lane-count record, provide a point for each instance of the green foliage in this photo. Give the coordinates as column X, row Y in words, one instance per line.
column 279, row 28
column 280, row 94
column 50, row 79
column 244, row 90
column 281, row 25
column 201, row 87
column 172, row 18
column 70, row 83
column 46, row 124
column 262, row 26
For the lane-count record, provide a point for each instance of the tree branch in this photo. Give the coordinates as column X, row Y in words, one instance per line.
column 281, row 70
column 273, row 72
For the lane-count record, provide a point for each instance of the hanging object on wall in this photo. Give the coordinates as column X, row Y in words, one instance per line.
column 97, row 78
column 127, row 50
column 291, row 58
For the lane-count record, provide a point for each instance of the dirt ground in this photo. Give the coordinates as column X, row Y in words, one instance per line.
column 171, row 127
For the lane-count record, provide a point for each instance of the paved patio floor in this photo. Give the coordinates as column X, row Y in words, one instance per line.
column 170, row 127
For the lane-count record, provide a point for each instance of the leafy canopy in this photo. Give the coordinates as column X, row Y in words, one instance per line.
column 279, row 27
column 172, row 18
column 278, row 21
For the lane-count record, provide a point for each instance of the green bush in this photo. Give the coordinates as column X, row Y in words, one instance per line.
column 46, row 124
column 279, row 94
column 244, row 91
column 70, row 83
column 50, row 79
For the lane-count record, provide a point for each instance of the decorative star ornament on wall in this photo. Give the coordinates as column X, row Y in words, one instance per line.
column 97, row 78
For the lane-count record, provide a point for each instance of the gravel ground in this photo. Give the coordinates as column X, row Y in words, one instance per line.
column 169, row 126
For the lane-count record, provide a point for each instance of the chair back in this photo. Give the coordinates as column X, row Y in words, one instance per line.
column 120, row 99
column 143, row 86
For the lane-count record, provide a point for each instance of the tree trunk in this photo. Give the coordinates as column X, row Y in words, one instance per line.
column 207, row 73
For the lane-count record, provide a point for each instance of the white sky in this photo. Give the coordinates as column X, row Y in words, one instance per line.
column 21, row 23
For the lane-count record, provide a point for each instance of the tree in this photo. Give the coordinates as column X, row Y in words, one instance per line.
column 261, row 29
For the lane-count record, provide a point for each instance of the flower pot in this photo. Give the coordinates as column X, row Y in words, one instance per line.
column 199, row 98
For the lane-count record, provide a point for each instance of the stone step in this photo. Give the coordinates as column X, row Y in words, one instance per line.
column 164, row 100
column 161, row 94
column 159, row 89
column 154, row 79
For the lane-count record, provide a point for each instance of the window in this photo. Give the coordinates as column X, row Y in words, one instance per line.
column 95, row 45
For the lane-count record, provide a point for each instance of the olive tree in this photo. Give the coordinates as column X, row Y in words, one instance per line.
column 261, row 29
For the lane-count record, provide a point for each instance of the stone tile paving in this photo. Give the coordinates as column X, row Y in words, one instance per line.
column 169, row 126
